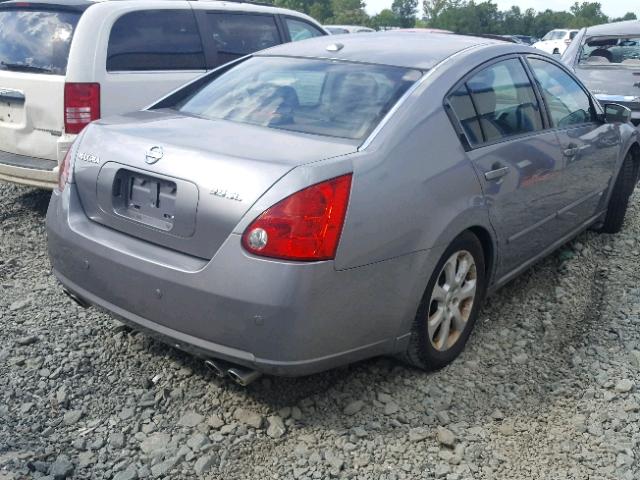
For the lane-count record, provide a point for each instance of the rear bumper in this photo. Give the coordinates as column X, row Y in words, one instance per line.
column 282, row 318
column 26, row 170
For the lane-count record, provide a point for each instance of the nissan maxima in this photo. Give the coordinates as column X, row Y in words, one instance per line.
column 323, row 202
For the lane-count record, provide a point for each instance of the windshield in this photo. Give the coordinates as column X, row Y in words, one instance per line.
column 611, row 50
column 321, row 97
column 555, row 35
column 36, row 41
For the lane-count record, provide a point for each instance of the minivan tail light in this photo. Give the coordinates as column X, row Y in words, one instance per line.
column 81, row 105
column 305, row 226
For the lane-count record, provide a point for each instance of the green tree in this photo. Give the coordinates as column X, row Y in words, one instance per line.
column 432, row 8
column 627, row 16
column 384, row 20
column 405, row 11
column 349, row 12
column 586, row 14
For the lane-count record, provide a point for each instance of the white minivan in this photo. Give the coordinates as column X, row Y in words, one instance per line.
column 65, row 63
column 556, row 41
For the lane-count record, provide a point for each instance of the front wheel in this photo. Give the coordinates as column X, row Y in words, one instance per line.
column 450, row 305
column 619, row 200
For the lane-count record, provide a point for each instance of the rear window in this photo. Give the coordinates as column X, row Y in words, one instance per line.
column 36, row 40
column 555, row 35
column 331, row 98
column 242, row 33
column 611, row 50
column 155, row 40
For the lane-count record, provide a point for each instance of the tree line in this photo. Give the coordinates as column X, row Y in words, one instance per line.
column 461, row 16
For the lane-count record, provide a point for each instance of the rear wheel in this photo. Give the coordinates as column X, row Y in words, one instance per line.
column 619, row 200
column 450, row 305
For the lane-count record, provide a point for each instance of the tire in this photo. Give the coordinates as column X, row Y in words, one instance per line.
column 619, row 201
column 432, row 349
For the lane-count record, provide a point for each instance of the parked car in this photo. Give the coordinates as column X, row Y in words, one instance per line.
column 607, row 59
column 341, row 29
column 526, row 39
column 512, row 38
column 556, row 41
column 64, row 63
column 323, row 202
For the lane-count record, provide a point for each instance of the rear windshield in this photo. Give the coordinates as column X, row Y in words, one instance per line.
column 555, row 35
column 611, row 50
column 321, row 97
column 36, row 41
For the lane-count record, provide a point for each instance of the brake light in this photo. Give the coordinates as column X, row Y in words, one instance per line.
column 81, row 105
column 304, row 226
column 64, row 170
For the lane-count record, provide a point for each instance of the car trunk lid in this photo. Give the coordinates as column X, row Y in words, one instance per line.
column 185, row 182
column 610, row 84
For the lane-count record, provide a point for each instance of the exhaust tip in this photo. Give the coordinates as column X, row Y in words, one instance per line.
column 217, row 368
column 243, row 376
column 79, row 301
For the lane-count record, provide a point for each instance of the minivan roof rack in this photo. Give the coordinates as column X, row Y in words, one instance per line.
column 252, row 2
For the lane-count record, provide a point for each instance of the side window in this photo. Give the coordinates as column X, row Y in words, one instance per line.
column 155, row 40
column 462, row 106
column 238, row 34
column 504, row 102
column 300, row 30
column 567, row 102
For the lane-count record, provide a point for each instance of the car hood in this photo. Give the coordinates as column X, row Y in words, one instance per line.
column 184, row 182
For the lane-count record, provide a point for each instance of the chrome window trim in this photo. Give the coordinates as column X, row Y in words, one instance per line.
column 376, row 131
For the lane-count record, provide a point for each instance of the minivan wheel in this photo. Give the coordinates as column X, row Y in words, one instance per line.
column 449, row 306
column 619, row 200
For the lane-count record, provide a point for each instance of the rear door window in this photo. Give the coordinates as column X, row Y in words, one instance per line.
column 238, row 34
column 504, row 101
column 36, row 40
column 301, row 30
column 155, row 40
column 567, row 102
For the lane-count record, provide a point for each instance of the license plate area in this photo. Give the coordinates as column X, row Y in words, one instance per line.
column 11, row 112
column 145, row 199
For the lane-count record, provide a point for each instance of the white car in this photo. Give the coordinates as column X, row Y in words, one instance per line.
column 65, row 63
column 556, row 41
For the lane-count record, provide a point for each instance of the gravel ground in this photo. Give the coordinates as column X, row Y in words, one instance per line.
column 547, row 387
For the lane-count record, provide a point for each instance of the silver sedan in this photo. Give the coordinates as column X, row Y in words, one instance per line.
column 323, row 202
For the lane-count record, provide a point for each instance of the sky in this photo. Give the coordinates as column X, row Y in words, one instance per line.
column 613, row 8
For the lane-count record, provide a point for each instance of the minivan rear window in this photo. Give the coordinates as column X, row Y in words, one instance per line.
column 321, row 97
column 36, row 41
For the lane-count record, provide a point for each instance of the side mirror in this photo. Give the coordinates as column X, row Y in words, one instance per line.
column 616, row 113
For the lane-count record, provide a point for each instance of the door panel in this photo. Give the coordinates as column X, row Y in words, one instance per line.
column 516, row 160
column 524, row 201
column 587, row 147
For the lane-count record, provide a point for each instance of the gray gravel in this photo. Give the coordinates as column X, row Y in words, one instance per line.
column 547, row 388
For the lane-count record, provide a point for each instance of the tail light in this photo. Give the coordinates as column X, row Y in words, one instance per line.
column 65, row 170
column 305, row 226
column 81, row 105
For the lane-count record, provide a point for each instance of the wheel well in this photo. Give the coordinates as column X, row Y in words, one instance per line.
column 487, row 247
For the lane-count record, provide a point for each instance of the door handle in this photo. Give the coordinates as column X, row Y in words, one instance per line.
column 496, row 173
column 571, row 150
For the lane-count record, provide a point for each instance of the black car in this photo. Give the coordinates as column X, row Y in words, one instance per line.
column 607, row 59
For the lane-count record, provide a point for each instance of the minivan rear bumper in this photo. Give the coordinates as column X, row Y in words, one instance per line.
column 282, row 318
column 37, row 172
